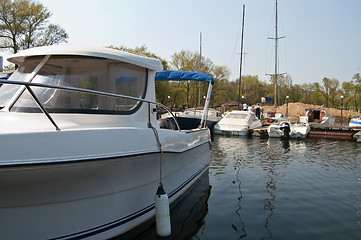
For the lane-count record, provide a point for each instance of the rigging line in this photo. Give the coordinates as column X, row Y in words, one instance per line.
column 236, row 43
column 270, row 33
column 280, row 20
column 161, row 152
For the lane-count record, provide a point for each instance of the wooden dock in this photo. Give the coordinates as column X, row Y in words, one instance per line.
column 328, row 132
column 260, row 132
column 333, row 132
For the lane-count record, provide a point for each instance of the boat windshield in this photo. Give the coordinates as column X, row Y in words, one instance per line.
column 91, row 73
column 237, row 115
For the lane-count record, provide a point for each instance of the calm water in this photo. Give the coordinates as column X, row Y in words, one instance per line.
column 270, row 189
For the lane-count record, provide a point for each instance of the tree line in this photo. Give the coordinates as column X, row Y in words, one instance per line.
column 185, row 94
column 25, row 24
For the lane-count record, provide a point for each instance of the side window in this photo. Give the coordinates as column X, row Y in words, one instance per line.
column 89, row 73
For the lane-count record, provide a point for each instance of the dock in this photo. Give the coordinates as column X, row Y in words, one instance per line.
column 260, row 132
column 319, row 131
column 333, row 132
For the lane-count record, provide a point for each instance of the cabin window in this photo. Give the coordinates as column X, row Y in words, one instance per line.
column 97, row 74
column 236, row 115
column 8, row 90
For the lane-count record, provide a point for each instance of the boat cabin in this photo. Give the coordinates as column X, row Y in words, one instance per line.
column 315, row 114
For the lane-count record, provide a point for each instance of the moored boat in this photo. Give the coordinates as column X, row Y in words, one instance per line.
column 318, row 116
column 355, row 122
column 283, row 128
column 82, row 153
column 191, row 118
column 238, row 123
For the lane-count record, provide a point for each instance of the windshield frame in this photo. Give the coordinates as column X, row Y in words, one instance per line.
column 143, row 73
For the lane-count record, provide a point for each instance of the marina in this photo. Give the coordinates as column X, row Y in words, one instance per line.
column 171, row 142
column 273, row 189
column 112, row 190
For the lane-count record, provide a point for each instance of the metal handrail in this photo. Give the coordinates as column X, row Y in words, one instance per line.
column 74, row 89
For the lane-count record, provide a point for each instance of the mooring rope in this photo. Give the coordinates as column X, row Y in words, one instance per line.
column 161, row 152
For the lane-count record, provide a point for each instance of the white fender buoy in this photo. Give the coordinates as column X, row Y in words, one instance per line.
column 162, row 216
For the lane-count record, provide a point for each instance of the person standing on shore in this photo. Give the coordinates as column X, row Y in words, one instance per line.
column 258, row 110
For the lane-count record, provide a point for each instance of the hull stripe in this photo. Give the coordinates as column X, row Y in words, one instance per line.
column 124, row 220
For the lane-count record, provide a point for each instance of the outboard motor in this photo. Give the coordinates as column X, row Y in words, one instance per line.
column 285, row 127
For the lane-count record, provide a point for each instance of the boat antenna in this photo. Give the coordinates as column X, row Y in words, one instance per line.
column 240, row 65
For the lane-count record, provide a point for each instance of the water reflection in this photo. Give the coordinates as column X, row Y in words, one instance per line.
column 271, row 189
column 273, row 179
column 187, row 215
column 240, row 231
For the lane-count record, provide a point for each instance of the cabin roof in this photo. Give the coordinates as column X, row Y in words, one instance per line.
column 91, row 51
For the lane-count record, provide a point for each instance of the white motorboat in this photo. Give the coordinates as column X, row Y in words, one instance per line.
column 191, row 118
column 283, row 128
column 82, row 153
column 355, row 122
column 237, row 123
column 318, row 116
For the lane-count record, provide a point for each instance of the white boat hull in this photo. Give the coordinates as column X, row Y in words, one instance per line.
column 355, row 122
column 297, row 132
column 93, row 198
column 231, row 131
column 237, row 123
column 82, row 154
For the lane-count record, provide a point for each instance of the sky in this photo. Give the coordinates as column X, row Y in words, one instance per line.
column 322, row 38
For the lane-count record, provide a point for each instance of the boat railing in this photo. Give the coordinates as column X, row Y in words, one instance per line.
column 28, row 86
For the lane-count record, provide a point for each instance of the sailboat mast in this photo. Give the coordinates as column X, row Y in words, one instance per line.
column 276, row 43
column 200, row 68
column 240, row 65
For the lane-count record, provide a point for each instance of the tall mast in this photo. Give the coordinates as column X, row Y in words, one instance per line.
column 276, row 74
column 240, row 65
column 276, row 43
column 200, row 68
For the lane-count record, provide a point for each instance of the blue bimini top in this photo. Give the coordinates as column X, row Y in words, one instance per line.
column 182, row 76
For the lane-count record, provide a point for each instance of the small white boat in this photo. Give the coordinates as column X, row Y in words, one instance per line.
column 318, row 116
column 283, row 128
column 82, row 154
column 355, row 122
column 191, row 118
column 238, row 123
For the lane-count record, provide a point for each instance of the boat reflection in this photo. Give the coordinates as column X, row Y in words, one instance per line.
column 240, row 230
column 187, row 215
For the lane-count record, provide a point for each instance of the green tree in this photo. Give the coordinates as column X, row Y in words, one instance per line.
column 251, row 89
column 52, row 34
column 284, row 88
column 350, row 94
column 220, row 91
column 356, row 80
column 23, row 24
column 306, row 92
column 296, row 93
column 143, row 50
column 317, row 95
column 330, row 90
column 186, row 60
